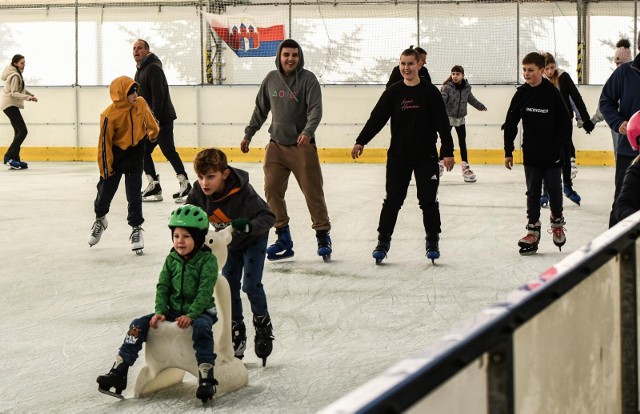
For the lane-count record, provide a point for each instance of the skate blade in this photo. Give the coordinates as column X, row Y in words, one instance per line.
column 180, row 200
column 284, row 255
column 113, row 394
column 139, row 252
column 528, row 252
column 151, row 199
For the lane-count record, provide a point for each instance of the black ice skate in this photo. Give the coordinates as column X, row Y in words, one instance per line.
column 381, row 250
column 264, row 337
column 153, row 192
column 324, row 245
column 283, row 247
column 557, row 230
column 137, row 241
column 116, row 378
column 185, row 186
column 239, row 337
column 206, row 383
column 433, row 248
column 529, row 243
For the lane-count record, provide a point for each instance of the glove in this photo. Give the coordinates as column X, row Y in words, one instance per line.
column 588, row 126
column 579, row 123
column 241, row 225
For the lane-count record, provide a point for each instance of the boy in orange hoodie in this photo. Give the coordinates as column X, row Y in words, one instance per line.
column 123, row 126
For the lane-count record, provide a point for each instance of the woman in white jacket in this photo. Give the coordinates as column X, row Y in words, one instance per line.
column 11, row 101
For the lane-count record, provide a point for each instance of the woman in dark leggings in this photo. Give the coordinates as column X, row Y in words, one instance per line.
column 11, row 101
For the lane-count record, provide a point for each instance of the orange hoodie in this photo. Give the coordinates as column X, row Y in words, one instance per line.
column 123, row 124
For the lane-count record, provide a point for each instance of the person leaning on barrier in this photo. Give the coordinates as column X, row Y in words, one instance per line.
column 628, row 202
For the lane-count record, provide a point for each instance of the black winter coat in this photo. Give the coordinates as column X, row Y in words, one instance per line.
column 628, row 201
column 154, row 89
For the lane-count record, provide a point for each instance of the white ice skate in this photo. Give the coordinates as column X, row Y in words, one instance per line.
column 99, row 226
column 153, row 192
column 574, row 168
column 468, row 175
column 185, row 186
column 137, row 241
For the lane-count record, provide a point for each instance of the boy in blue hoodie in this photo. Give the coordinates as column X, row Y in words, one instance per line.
column 292, row 95
column 227, row 197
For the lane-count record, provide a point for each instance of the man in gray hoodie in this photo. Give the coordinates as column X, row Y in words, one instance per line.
column 293, row 96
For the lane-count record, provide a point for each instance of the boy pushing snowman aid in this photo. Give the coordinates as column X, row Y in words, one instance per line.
column 418, row 115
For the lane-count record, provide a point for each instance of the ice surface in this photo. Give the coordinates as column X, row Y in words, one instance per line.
column 66, row 307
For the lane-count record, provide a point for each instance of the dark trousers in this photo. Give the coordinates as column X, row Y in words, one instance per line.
column 19, row 133
column 534, row 177
column 202, row 337
column 168, row 148
column 427, row 177
column 568, row 151
column 461, row 131
column 622, row 164
column 251, row 259
column 107, row 188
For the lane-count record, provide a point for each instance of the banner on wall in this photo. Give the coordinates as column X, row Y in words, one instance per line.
column 247, row 36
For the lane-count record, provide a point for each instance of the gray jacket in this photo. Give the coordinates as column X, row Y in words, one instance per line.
column 295, row 103
column 457, row 97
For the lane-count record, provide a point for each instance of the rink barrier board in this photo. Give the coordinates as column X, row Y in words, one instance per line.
column 565, row 342
column 327, row 155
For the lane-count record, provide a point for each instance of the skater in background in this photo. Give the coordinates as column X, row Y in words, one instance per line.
column 229, row 199
column 13, row 96
column 456, row 93
column 292, row 94
column 628, row 202
column 563, row 82
column 423, row 73
column 621, row 55
column 124, row 125
column 155, row 90
column 546, row 128
column 417, row 115
column 618, row 102
column 184, row 294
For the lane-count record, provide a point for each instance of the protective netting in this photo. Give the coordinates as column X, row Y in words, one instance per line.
column 344, row 42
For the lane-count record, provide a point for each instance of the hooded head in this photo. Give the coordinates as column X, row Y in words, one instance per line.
column 286, row 59
column 633, row 131
column 623, row 52
column 120, row 88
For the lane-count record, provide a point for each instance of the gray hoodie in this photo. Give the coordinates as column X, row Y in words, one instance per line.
column 456, row 98
column 14, row 93
column 295, row 103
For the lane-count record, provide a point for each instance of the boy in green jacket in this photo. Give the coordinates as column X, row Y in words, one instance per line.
column 184, row 295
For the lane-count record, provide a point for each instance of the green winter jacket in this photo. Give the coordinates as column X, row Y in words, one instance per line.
column 186, row 285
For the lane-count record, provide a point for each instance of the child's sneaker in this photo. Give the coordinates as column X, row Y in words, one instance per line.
column 468, row 175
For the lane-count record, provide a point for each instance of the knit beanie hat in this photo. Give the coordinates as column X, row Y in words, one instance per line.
column 623, row 52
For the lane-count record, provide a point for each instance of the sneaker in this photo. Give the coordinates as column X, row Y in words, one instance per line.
column 468, row 175
column 13, row 165
column 99, row 226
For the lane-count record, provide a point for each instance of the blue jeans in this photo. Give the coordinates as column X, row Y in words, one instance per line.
column 251, row 259
column 202, row 337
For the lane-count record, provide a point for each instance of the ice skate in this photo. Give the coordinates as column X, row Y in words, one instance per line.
column 239, row 337
column 544, row 200
column 99, row 226
column 467, row 174
column 116, row 378
column 12, row 164
column 433, row 249
column 557, row 230
column 574, row 168
column 324, row 245
column 185, row 186
column 441, row 167
column 381, row 250
column 529, row 243
column 264, row 337
column 206, row 383
column 283, row 247
column 137, row 241
column 23, row 165
column 153, row 192
column 570, row 193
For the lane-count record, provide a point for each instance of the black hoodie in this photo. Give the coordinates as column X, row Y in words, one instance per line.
column 154, row 89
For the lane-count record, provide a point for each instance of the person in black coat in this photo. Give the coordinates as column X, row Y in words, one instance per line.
column 423, row 72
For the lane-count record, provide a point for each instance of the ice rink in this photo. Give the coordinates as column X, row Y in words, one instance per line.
column 67, row 307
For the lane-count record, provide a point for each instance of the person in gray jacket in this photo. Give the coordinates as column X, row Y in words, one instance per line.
column 292, row 95
column 456, row 93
